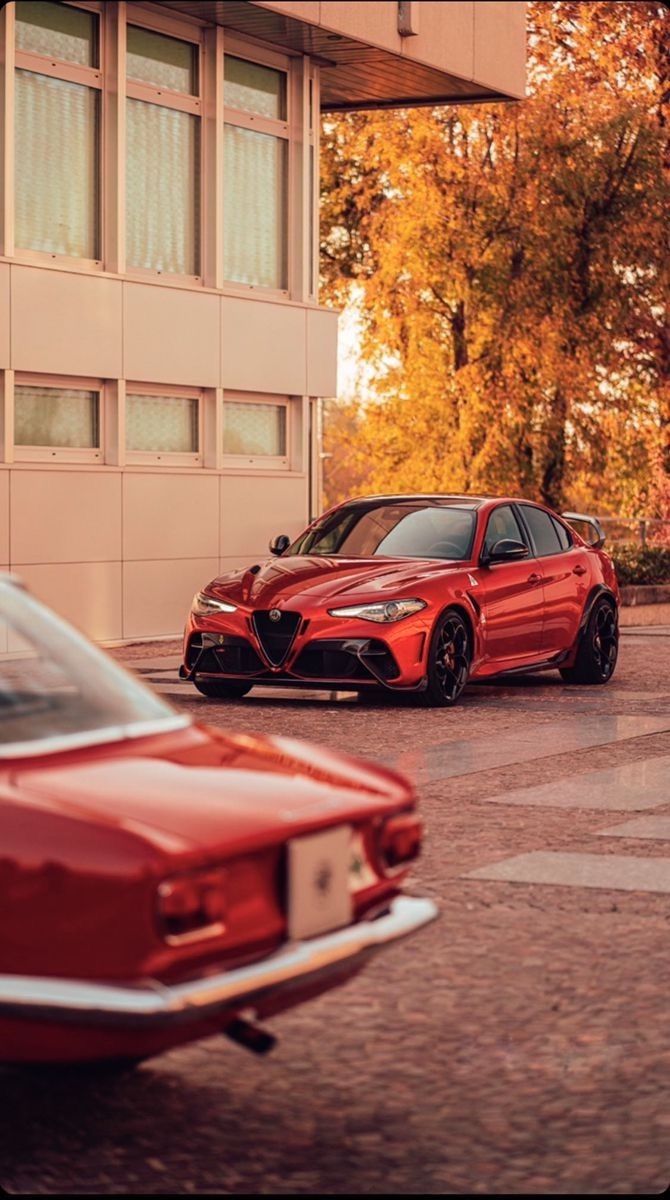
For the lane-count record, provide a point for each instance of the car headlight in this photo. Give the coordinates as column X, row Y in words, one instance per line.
column 384, row 613
column 206, row 606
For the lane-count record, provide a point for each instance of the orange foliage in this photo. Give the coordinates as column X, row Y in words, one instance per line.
column 512, row 268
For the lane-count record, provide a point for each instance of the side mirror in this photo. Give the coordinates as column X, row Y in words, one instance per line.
column 506, row 550
column 279, row 544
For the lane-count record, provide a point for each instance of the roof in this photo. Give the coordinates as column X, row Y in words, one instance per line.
column 463, row 53
column 412, row 498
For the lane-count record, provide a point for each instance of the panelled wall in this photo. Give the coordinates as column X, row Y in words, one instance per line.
column 162, row 350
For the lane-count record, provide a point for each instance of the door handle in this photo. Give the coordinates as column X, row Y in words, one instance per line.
column 534, row 578
column 579, row 570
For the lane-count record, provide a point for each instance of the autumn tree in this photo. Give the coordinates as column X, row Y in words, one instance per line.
column 511, row 265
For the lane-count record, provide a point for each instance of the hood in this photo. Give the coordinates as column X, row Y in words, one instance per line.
column 260, row 792
column 323, row 580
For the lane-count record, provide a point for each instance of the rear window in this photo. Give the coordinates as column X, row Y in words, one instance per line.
column 563, row 535
column 542, row 530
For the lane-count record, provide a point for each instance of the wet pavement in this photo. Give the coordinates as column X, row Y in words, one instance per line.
column 521, row 1043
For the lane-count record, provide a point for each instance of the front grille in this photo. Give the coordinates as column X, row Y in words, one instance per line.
column 328, row 659
column 276, row 637
column 235, row 657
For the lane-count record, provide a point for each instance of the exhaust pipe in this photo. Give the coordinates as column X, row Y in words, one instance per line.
column 251, row 1036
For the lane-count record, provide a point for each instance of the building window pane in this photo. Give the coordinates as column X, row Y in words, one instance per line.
column 255, row 89
column 254, row 429
column 57, row 31
column 162, row 189
column 56, row 166
column 46, row 416
column 162, row 424
column 254, row 207
column 165, row 61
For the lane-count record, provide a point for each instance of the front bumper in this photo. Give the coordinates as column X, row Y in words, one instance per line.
column 297, row 966
column 358, row 660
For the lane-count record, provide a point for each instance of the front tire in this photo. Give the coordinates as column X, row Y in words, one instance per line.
column 598, row 647
column 222, row 691
column 449, row 658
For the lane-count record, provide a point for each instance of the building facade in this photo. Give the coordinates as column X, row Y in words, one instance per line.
column 162, row 346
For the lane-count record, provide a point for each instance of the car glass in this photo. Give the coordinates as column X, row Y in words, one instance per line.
column 502, row 524
column 563, row 535
column 543, row 530
column 394, row 530
column 55, row 684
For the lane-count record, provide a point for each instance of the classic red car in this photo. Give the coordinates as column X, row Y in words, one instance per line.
column 161, row 881
column 412, row 594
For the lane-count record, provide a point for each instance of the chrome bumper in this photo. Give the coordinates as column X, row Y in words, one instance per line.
column 153, row 1004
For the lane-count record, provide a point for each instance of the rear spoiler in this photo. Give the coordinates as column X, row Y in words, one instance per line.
column 599, row 539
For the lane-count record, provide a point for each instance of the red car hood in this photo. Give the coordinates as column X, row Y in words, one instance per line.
column 321, row 579
column 260, row 792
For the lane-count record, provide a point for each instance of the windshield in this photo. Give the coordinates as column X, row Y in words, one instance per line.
column 56, row 685
column 396, row 530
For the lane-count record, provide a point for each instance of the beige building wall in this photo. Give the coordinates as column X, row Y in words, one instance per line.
column 116, row 541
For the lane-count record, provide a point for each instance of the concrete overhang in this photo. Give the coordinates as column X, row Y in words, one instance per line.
column 461, row 52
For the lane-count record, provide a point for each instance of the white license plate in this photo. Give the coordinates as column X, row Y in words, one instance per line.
column 319, row 896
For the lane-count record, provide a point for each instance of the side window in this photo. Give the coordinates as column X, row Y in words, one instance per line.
column 543, row 531
column 563, row 535
column 502, row 524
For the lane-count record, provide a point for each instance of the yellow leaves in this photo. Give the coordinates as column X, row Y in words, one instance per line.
column 510, row 260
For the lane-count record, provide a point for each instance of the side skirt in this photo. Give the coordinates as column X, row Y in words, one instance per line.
column 547, row 664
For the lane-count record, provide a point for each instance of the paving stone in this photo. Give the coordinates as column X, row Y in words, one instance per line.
column 646, row 631
column 632, row 786
column 621, row 872
column 162, row 662
column 565, row 735
column 656, row 828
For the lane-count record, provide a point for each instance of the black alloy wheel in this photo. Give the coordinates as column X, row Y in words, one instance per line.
column 598, row 647
column 222, row 691
column 449, row 660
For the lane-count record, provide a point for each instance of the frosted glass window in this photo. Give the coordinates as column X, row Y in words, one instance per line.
column 253, row 88
column 57, row 143
column 165, row 61
column 254, row 429
column 162, row 424
column 254, row 207
column 162, row 189
column 56, row 31
column 65, row 417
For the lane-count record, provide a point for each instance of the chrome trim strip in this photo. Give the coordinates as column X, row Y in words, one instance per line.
column 152, row 1003
column 92, row 737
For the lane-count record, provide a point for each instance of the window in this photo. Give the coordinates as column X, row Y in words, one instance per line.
column 162, row 426
column 163, row 154
column 58, row 422
column 563, row 535
column 57, row 130
column 256, row 149
column 502, row 524
column 256, row 429
column 542, row 530
column 407, row 530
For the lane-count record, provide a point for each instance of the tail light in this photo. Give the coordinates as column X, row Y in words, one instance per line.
column 400, row 840
column 192, row 906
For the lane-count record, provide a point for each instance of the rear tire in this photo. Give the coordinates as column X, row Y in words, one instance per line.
column 222, row 691
column 449, row 658
column 598, row 647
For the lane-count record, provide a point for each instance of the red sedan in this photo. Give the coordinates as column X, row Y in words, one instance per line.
column 412, row 594
column 160, row 881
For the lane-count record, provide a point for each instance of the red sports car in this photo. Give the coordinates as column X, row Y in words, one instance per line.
column 160, row 881
column 412, row 594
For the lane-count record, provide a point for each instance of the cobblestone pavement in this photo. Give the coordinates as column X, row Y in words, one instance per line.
column 520, row 1043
